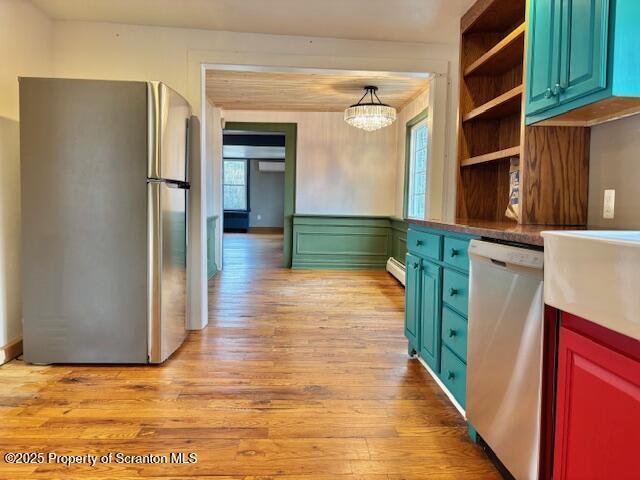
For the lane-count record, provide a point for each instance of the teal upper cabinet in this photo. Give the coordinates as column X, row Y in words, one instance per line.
column 543, row 54
column 583, row 49
column 583, row 61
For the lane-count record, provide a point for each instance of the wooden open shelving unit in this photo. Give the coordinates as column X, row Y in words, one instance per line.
column 553, row 161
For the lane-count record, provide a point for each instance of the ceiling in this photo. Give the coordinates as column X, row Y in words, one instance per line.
column 313, row 92
column 434, row 21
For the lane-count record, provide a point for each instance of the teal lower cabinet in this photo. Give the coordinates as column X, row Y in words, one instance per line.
column 430, row 282
column 412, row 302
column 454, row 332
column 454, row 375
column 437, row 297
column 456, row 290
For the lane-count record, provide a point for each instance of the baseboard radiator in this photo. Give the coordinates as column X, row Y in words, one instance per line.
column 395, row 268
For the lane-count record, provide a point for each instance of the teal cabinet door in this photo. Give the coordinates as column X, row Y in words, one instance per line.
column 584, row 44
column 543, row 54
column 430, row 324
column 412, row 301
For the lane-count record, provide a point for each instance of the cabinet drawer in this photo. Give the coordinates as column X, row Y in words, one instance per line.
column 454, row 332
column 455, row 291
column 456, row 253
column 453, row 373
column 424, row 244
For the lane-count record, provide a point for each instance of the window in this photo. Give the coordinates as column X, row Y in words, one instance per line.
column 417, row 167
column 235, row 185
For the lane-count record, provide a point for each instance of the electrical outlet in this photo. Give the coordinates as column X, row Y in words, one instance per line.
column 609, row 204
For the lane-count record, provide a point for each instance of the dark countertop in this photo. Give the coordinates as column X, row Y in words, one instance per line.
column 505, row 230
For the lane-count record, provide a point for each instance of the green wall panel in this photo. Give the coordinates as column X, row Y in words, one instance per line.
column 212, row 269
column 342, row 242
column 398, row 239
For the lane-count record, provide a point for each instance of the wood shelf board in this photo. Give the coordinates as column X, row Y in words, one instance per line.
column 492, row 15
column 491, row 157
column 506, row 54
column 613, row 108
column 504, row 105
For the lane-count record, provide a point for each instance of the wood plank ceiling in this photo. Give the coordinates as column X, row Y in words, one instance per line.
column 315, row 92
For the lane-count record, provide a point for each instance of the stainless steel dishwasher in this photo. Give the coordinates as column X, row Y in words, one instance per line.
column 504, row 359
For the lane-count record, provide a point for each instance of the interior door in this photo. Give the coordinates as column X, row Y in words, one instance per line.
column 584, row 44
column 543, row 56
column 431, row 277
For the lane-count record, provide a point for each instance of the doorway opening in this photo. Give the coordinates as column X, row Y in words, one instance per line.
column 341, row 171
column 258, row 191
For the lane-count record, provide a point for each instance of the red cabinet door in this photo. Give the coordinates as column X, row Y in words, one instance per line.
column 597, row 411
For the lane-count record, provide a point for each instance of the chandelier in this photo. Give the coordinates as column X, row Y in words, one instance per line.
column 370, row 115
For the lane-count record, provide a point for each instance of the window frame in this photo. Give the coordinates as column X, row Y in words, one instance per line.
column 422, row 117
column 247, row 164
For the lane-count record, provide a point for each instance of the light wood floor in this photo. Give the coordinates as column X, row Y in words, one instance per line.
column 300, row 375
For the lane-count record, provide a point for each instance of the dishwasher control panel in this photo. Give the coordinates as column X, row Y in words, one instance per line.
column 499, row 254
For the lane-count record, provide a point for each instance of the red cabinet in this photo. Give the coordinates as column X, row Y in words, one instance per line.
column 598, row 404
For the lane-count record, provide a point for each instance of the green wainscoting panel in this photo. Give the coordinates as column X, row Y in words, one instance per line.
column 398, row 239
column 212, row 268
column 342, row 242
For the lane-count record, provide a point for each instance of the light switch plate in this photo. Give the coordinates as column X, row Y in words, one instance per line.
column 608, row 210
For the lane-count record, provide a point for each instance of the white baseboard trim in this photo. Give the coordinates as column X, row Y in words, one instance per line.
column 397, row 269
column 10, row 351
column 444, row 388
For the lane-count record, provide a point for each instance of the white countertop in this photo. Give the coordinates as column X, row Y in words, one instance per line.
column 595, row 275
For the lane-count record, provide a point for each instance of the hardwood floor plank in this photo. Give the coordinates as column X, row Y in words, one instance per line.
column 300, row 375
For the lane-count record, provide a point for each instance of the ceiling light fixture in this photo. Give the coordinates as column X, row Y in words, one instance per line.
column 370, row 115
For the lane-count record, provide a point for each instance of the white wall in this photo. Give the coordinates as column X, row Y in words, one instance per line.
column 25, row 49
column 176, row 56
column 266, row 197
column 340, row 170
column 615, row 163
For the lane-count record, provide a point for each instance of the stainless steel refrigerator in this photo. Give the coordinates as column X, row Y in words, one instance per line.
column 104, row 220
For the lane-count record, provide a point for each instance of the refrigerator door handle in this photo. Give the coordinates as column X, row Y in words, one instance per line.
column 180, row 185
column 170, row 183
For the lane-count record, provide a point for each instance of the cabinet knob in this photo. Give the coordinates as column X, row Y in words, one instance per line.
column 548, row 93
column 416, row 265
column 453, row 292
column 451, row 375
column 452, row 333
column 557, row 89
column 454, row 252
column 419, row 243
